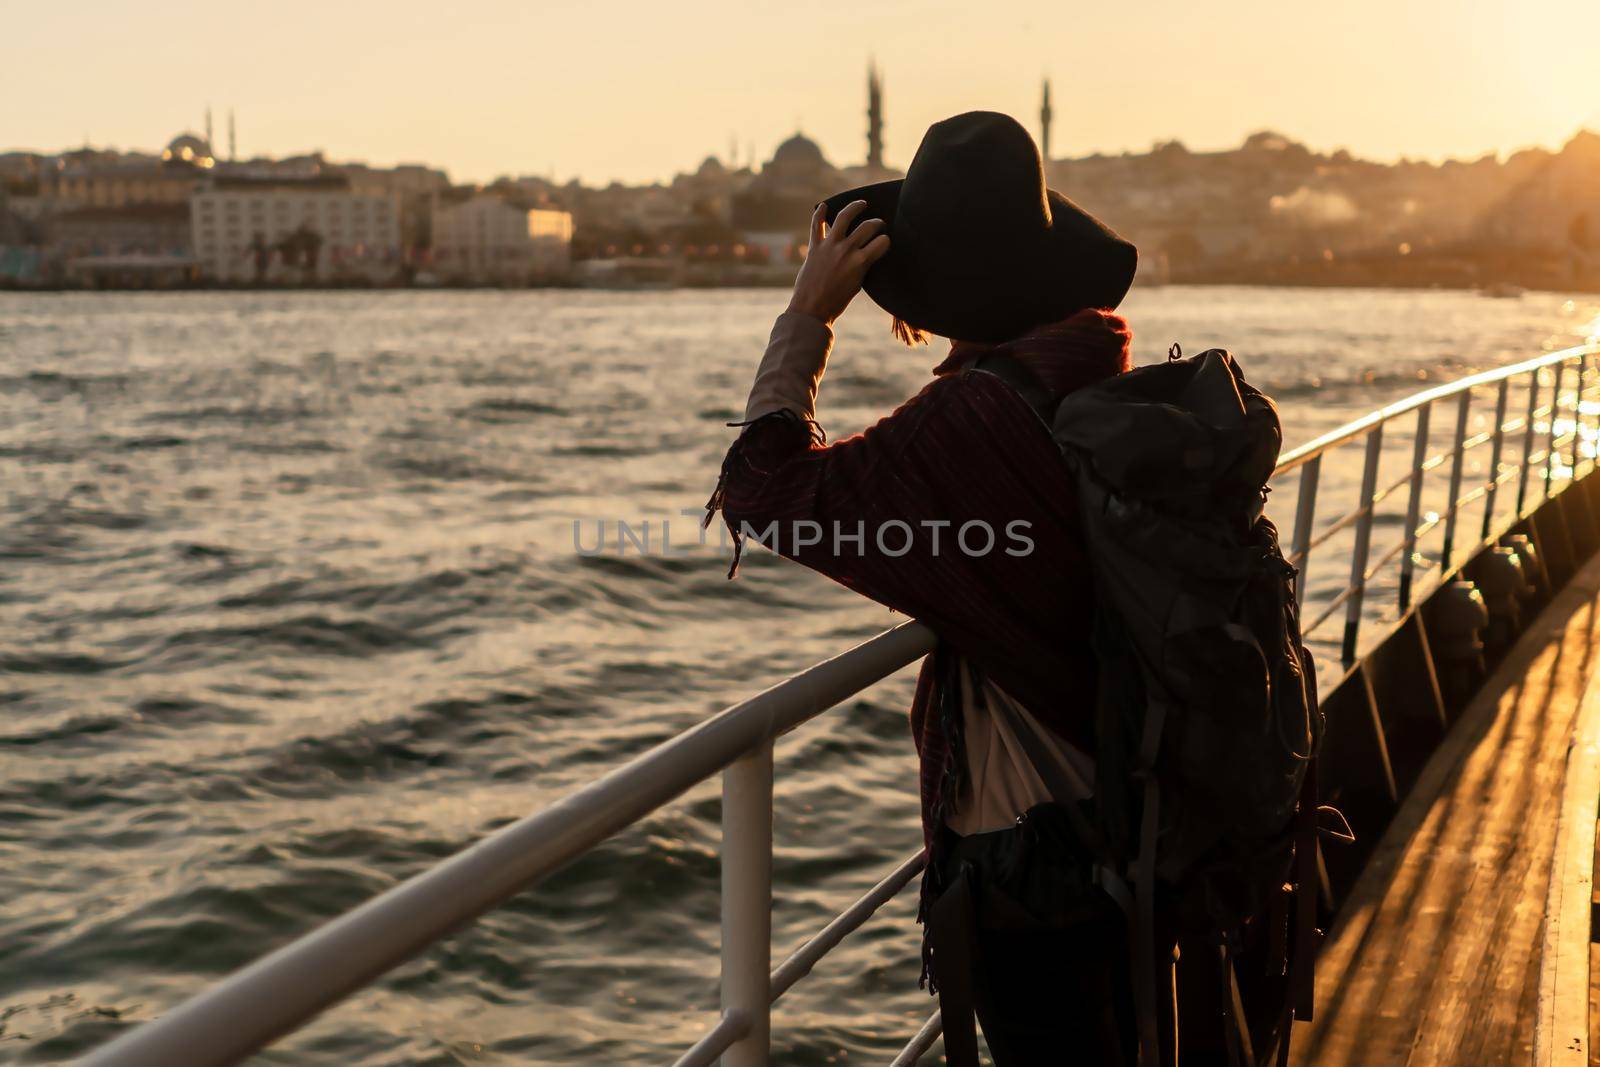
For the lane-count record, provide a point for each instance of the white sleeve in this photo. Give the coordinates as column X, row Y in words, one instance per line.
column 797, row 352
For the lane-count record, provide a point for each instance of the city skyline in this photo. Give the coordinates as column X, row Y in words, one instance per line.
column 753, row 154
column 496, row 89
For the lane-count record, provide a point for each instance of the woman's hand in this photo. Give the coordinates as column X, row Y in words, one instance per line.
column 837, row 259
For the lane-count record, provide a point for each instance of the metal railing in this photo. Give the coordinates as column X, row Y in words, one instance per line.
column 1548, row 444
column 269, row 998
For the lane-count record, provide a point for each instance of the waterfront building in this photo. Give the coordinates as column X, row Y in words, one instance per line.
column 156, row 229
column 24, row 199
column 412, row 187
column 14, row 229
column 481, row 237
column 23, row 166
column 653, row 209
column 707, row 193
column 139, row 245
column 294, row 230
column 112, row 180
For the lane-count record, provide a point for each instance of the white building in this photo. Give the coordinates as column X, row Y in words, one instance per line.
column 254, row 229
column 486, row 238
column 412, row 185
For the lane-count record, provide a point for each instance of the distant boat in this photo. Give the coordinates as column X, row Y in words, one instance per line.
column 1503, row 291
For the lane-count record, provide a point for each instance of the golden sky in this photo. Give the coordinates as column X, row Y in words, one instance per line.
column 639, row 89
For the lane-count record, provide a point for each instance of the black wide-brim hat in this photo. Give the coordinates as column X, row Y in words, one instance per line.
column 979, row 248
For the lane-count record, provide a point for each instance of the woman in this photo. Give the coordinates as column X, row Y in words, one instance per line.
column 957, row 509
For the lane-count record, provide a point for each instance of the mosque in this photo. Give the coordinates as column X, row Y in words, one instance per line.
column 779, row 199
column 773, row 209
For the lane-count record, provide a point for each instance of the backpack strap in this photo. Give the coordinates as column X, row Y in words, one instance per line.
column 1023, row 381
column 1235, row 1027
column 1308, row 884
column 1308, row 879
column 1143, row 941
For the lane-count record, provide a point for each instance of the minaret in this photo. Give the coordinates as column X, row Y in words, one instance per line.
column 233, row 143
column 1044, row 123
column 874, row 118
column 209, row 150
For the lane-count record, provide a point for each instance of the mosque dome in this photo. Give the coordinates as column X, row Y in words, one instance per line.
column 799, row 151
column 188, row 148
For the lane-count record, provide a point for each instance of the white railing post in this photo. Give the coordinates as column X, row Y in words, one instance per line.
column 1363, row 546
column 1527, row 441
column 1550, row 457
column 1419, row 463
column 1588, row 361
column 1494, row 456
column 747, row 904
column 1305, row 512
column 1577, row 415
column 1463, row 408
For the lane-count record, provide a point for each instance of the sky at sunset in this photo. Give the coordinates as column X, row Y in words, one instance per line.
column 603, row 89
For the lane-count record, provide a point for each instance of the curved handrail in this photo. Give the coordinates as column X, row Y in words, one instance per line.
column 1306, row 460
column 1298, row 456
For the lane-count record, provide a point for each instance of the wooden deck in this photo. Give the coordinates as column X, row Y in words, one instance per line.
column 1435, row 957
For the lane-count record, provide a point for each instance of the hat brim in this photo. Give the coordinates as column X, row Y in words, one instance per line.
column 1077, row 262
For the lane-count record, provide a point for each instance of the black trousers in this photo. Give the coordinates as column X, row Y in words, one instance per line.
column 1064, row 998
column 1058, row 995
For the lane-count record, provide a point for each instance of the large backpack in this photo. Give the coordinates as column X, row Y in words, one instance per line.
column 1207, row 714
